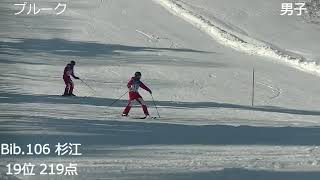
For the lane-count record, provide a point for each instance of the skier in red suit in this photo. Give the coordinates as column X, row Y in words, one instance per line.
column 133, row 86
column 68, row 71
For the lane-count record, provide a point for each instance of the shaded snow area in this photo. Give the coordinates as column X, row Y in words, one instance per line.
column 197, row 56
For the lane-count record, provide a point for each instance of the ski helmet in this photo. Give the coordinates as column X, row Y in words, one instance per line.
column 73, row 62
column 137, row 74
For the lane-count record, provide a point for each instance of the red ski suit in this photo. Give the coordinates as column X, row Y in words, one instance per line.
column 68, row 71
column 133, row 86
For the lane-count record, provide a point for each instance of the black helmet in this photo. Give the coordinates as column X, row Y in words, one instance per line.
column 73, row 62
column 137, row 74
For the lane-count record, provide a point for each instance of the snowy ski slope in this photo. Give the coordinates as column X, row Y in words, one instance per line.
column 238, row 39
column 201, row 77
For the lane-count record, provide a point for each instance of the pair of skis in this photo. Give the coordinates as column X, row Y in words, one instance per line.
column 145, row 117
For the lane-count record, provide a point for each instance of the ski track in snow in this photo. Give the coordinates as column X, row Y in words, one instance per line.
column 237, row 41
column 151, row 37
column 275, row 90
column 157, row 39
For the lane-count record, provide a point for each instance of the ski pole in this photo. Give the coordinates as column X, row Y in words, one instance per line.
column 155, row 105
column 118, row 98
column 88, row 86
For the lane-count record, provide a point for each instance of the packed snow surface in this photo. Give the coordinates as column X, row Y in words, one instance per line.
column 197, row 56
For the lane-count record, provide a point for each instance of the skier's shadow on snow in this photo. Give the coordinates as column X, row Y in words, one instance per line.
column 96, row 101
column 78, row 48
column 114, row 132
column 43, row 129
